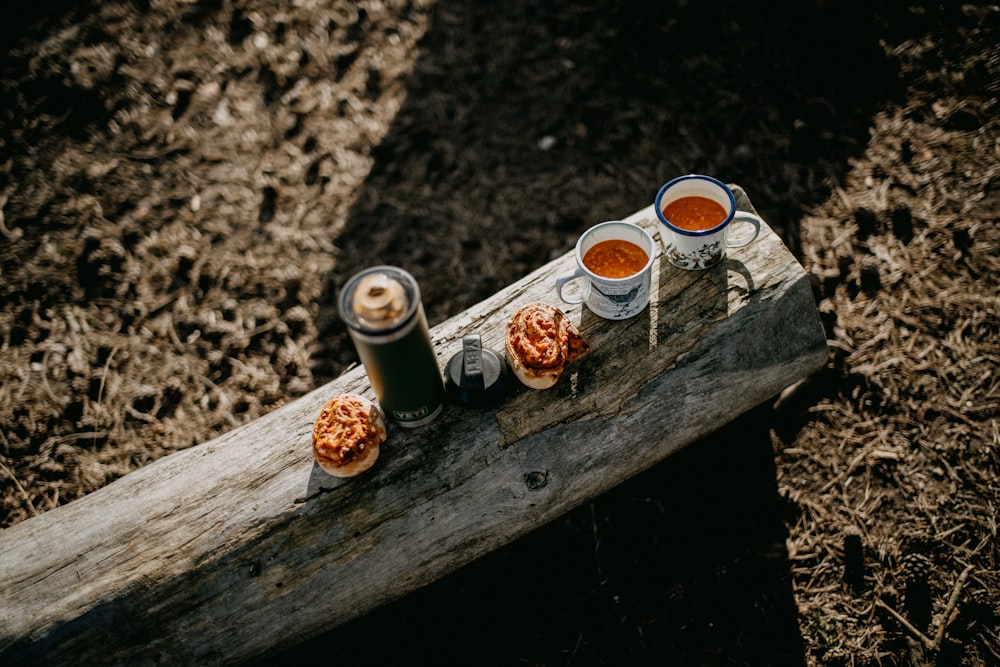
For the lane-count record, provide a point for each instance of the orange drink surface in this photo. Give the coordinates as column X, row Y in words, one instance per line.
column 615, row 258
column 694, row 213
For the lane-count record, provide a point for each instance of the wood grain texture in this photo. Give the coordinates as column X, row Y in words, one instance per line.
column 242, row 546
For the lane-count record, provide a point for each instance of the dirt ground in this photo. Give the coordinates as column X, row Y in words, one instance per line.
column 184, row 184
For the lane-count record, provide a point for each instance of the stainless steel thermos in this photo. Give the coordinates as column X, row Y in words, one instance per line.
column 382, row 309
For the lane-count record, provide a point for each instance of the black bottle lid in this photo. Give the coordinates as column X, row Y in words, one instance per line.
column 474, row 376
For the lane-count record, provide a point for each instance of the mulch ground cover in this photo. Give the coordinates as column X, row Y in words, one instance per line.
column 185, row 184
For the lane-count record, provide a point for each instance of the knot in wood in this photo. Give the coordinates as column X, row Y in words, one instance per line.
column 536, row 479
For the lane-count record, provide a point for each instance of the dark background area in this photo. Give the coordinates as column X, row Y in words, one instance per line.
column 630, row 94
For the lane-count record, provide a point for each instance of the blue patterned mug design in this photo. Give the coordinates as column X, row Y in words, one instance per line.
column 701, row 249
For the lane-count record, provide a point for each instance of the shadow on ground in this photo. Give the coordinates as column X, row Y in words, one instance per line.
column 684, row 564
column 526, row 123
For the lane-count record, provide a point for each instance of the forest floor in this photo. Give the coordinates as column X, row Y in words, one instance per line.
column 184, row 184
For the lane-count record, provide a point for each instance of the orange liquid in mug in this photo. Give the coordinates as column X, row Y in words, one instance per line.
column 694, row 213
column 615, row 258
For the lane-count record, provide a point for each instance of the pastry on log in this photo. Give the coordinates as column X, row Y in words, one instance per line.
column 540, row 341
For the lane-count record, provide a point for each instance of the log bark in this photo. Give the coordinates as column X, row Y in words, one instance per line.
column 242, row 546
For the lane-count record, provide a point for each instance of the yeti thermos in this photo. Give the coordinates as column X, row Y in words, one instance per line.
column 382, row 309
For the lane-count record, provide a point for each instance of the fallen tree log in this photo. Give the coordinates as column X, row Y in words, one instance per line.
column 242, row 546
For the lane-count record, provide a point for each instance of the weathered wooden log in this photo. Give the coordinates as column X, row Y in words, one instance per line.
column 242, row 546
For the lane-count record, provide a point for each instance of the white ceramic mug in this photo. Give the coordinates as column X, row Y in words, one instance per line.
column 612, row 298
column 697, row 249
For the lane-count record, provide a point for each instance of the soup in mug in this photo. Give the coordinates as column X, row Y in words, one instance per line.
column 694, row 213
column 615, row 258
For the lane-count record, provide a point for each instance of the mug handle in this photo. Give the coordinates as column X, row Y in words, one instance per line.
column 753, row 220
column 561, row 282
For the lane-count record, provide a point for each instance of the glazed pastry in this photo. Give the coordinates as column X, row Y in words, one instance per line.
column 540, row 341
column 347, row 435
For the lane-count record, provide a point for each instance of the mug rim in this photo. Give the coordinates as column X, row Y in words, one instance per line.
column 596, row 276
column 689, row 232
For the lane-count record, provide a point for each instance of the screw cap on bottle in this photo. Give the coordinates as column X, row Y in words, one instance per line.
column 475, row 376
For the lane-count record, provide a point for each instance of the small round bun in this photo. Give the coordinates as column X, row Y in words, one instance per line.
column 540, row 340
column 347, row 435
